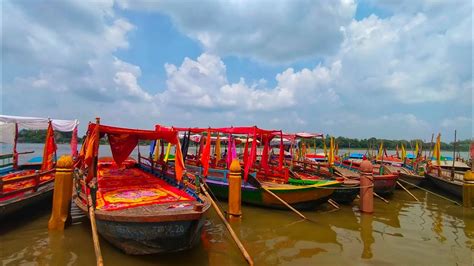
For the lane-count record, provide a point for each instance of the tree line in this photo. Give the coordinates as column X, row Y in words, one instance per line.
column 374, row 144
column 39, row 136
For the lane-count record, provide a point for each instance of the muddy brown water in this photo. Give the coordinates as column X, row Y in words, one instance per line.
column 403, row 232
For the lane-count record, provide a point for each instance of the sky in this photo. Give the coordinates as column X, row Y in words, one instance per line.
column 396, row 69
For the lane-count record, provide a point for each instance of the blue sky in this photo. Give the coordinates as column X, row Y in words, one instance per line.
column 390, row 69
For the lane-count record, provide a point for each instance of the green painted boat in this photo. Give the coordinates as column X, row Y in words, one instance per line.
column 302, row 197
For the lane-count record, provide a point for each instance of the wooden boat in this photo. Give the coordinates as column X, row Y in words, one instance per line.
column 444, row 181
column 404, row 174
column 383, row 184
column 141, row 207
column 307, row 172
column 30, row 183
column 300, row 196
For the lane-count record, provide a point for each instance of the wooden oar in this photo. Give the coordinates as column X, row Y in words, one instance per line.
column 380, row 197
column 429, row 191
column 404, row 188
column 333, row 203
column 229, row 228
column 278, row 198
column 95, row 236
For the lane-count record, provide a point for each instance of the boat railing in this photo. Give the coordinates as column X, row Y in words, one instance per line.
column 7, row 163
column 36, row 177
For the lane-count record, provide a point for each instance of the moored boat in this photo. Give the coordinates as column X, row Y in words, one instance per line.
column 444, row 181
column 140, row 207
column 23, row 185
column 383, row 184
column 405, row 174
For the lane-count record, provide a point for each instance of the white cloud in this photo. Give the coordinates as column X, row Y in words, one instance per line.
column 457, row 122
column 58, row 58
column 377, row 76
column 203, row 84
column 272, row 31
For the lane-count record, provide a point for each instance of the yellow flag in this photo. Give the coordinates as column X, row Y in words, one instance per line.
column 404, row 153
column 156, row 153
column 331, row 151
column 218, row 148
column 416, row 149
column 168, row 149
column 437, row 150
column 380, row 154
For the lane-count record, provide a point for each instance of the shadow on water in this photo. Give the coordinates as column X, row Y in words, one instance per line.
column 26, row 215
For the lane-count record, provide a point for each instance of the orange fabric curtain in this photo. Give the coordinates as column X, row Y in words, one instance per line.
column 49, row 150
column 179, row 163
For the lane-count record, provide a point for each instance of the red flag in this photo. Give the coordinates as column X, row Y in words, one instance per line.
column 206, row 154
column 49, row 150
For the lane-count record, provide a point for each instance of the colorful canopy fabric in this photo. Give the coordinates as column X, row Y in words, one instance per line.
column 124, row 140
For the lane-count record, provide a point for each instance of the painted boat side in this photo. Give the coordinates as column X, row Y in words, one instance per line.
column 43, row 194
column 150, row 238
column 385, row 184
column 302, row 198
column 453, row 187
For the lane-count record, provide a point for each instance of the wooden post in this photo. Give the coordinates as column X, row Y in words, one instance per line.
column 235, row 183
column 468, row 186
column 454, row 155
column 62, row 194
column 468, row 190
column 366, row 187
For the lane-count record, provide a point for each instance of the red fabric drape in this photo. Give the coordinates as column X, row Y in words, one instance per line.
column 282, row 152
column 92, row 148
column 265, row 153
column 206, row 154
column 251, row 160
column 179, row 163
column 122, row 145
column 49, row 150
column 74, row 143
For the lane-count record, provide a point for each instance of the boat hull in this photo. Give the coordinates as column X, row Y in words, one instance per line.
column 454, row 188
column 141, row 238
column 416, row 180
column 43, row 194
column 302, row 198
column 344, row 195
column 385, row 184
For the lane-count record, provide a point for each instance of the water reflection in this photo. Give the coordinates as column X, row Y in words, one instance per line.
column 366, row 235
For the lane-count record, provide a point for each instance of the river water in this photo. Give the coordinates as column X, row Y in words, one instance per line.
column 403, row 232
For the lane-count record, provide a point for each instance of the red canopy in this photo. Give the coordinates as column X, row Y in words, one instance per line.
column 124, row 140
